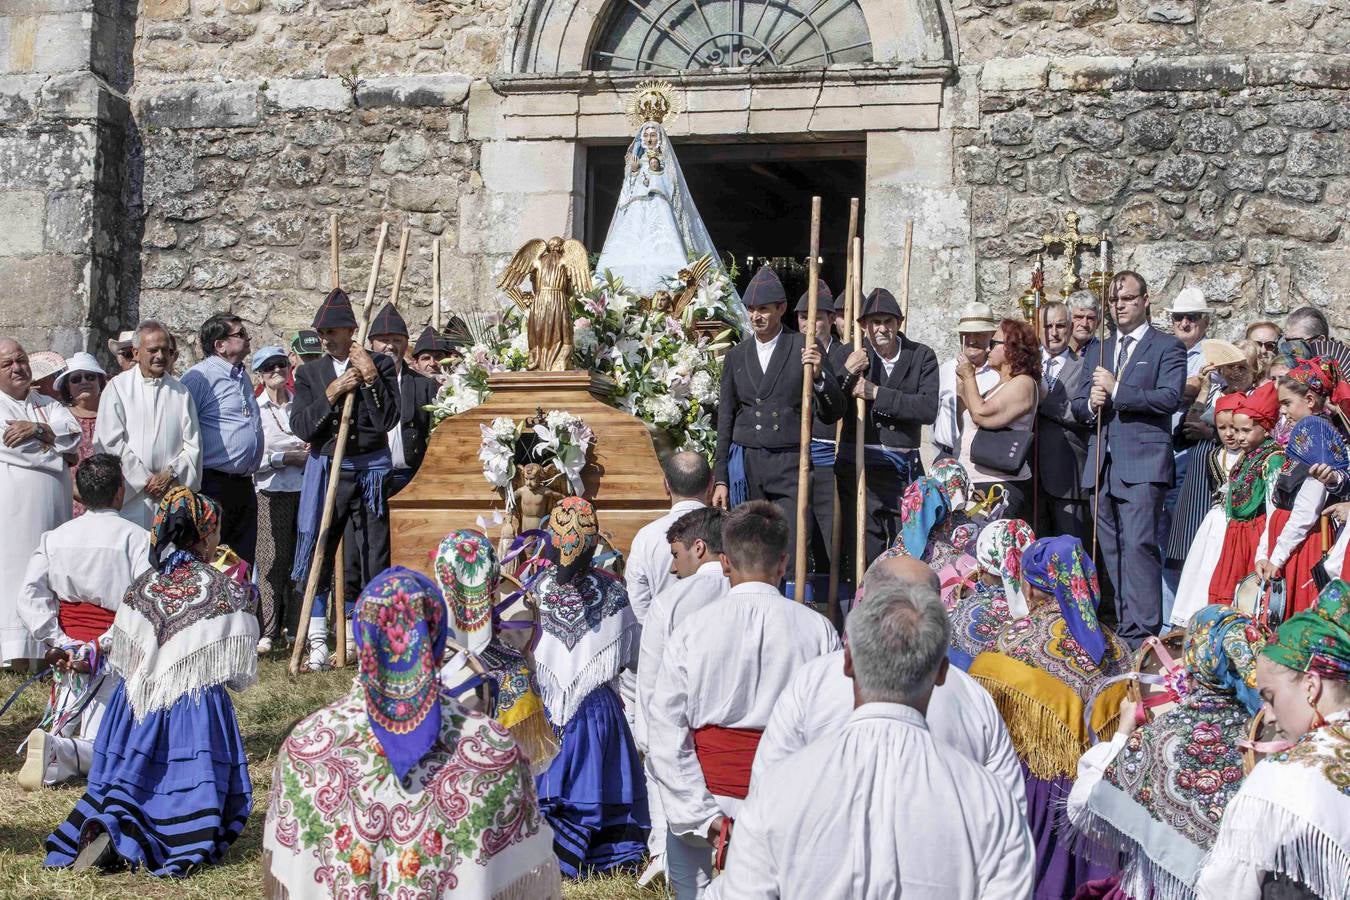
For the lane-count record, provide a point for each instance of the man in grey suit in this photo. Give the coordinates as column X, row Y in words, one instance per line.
column 1134, row 384
column 1061, row 440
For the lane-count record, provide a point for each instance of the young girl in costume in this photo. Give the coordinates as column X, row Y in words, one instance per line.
column 1209, row 543
column 1247, row 500
column 1291, row 544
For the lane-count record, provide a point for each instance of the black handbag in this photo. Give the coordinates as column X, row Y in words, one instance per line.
column 1001, row 449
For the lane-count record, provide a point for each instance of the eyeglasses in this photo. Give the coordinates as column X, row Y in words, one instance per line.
column 996, row 343
column 1187, row 317
column 1269, row 346
column 269, row 368
column 242, row 334
column 81, row 378
column 126, row 353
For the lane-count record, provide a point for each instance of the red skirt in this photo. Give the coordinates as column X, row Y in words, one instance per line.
column 1238, row 559
column 1300, row 591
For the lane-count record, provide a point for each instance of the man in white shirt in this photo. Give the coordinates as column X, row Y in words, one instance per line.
column 900, row 814
column 74, row 583
column 975, row 329
column 688, row 484
column 961, row 714
column 1061, row 440
column 694, row 543
column 147, row 418
column 721, row 673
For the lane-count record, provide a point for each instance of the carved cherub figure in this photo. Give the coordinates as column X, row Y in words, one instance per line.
column 534, row 498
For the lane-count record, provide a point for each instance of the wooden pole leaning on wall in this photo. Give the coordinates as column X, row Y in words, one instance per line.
column 846, row 335
column 436, row 285
column 330, row 495
column 808, row 397
column 859, row 439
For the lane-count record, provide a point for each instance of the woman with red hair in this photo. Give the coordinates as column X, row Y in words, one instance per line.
column 1009, row 407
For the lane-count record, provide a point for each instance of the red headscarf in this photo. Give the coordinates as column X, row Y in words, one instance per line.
column 1262, row 407
column 1229, row 402
column 1322, row 376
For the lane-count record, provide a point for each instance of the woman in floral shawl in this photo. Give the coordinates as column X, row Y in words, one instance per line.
column 1044, row 672
column 996, row 595
column 594, row 794
column 1154, row 795
column 469, row 576
column 1287, row 832
column 169, row 789
column 397, row 790
column 933, row 524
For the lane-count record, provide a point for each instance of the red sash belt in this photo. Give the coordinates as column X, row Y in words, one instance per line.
column 84, row 621
column 726, row 755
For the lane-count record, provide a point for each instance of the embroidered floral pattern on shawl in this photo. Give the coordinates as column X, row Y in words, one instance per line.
column 568, row 612
column 1250, row 479
column 473, row 799
column 1326, row 750
column 978, row 618
column 185, row 595
column 1042, row 640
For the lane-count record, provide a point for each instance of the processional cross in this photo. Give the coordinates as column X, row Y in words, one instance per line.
column 1073, row 241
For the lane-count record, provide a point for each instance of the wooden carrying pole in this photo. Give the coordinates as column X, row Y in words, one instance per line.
column 436, row 285
column 339, row 584
column 859, row 439
column 846, row 335
column 808, row 382
column 330, row 496
column 904, row 287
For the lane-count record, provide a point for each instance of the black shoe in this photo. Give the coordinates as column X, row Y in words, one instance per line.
column 98, row 852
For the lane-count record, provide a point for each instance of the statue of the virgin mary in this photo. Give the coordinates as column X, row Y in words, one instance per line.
column 656, row 230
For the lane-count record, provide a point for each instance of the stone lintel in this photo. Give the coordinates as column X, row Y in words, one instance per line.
column 308, row 93
column 1019, row 73
column 413, row 90
column 202, row 105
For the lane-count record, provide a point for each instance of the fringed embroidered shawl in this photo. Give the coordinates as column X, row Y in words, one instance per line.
column 588, row 634
column 341, row 824
column 181, row 631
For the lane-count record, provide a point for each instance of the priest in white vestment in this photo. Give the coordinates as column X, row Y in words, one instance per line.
column 37, row 434
column 147, row 419
column 74, row 583
column 722, row 669
column 879, row 809
column 693, row 541
column 961, row 714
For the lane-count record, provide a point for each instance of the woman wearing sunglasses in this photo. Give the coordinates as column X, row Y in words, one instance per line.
column 81, row 387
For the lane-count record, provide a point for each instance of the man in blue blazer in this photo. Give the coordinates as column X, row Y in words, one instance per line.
column 1134, row 383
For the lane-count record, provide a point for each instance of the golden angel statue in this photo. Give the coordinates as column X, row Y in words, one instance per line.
column 559, row 272
column 674, row 305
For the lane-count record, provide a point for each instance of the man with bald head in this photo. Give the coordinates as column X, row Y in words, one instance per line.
column 147, row 419
column 35, row 480
column 819, row 698
column 881, row 806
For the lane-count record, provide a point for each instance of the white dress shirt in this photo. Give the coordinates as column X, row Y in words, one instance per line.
column 399, row 461
column 681, row 599
column 947, row 427
column 92, row 559
column 764, row 350
column 1308, row 503
column 1052, row 367
column 647, row 570
column 877, row 810
column 961, row 714
column 724, row 665
column 278, row 439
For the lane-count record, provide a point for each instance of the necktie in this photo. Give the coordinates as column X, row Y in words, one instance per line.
column 1124, row 355
column 1050, row 365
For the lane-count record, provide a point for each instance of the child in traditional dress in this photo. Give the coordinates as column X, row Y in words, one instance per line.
column 1292, row 545
column 1245, row 502
column 1208, row 545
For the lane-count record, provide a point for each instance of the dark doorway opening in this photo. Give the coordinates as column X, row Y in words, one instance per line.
column 755, row 200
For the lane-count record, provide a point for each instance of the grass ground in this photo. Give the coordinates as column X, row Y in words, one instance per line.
column 266, row 713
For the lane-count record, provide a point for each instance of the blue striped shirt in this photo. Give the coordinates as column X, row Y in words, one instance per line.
column 227, row 413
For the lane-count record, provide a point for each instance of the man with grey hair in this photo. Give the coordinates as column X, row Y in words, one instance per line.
column 899, row 813
column 1086, row 315
column 147, row 419
column 1306, row 323
column 819, row 698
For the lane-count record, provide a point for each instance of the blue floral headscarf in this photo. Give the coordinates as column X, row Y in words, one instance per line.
column 400, row 631
column 1220, row 652
column 1060, row 567
column 924, row 506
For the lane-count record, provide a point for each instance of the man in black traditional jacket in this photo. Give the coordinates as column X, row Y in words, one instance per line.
column 407, row 442
column 899, row 380
column 321, row 388
column 759, row 410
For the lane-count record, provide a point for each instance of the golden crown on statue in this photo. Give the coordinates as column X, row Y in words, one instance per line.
column 654, row 101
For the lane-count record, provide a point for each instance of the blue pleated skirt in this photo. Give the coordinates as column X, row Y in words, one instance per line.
column 171, row 790
column 594, row 795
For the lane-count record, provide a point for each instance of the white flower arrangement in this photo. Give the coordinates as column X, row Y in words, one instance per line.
column 562, row 440
column 662, row 375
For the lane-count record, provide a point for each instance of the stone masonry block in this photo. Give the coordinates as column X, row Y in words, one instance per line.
column 70, row 222
column 413, row 91
column 1193, row 73
column 309, row 93
column 53, row 283
column 1091, row 73
column 203, row 105
column 21, row 211
column 63, row 42
column 528, row 167
column 1022, row 73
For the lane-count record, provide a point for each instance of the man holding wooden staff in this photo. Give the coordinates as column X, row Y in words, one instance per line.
column 759, row 413
column 321, row 387
column 821, row 509
column 899, row 380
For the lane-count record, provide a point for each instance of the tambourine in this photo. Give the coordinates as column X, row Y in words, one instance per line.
column 1263, row 602
column 1161, row 681
column 988, row 503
